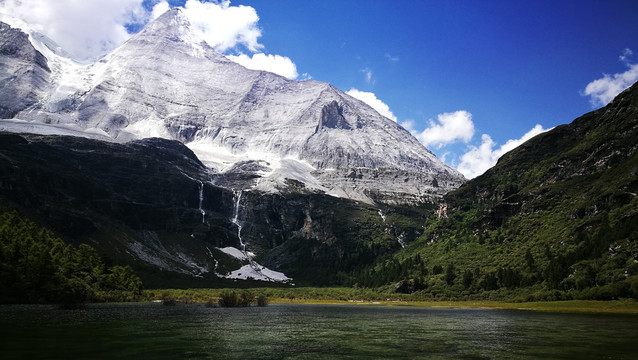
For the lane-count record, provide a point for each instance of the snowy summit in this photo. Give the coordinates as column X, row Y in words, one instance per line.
column 269, row 132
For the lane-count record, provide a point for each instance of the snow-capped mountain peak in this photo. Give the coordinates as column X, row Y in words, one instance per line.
column 255, row 129
column 173, row 26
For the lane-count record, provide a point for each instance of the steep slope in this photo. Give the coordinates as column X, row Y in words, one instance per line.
column 167, row 82
column 24, row 73
column 560, row 212
column 151, row 204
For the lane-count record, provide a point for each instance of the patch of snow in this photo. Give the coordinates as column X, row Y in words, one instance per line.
column 234, row 252
column 289, row 168
column 257, row 273
column 222, row 159
column 251, row 270
column 147, row 128
column 350, row 193
column 32, row 127
column 216, row 157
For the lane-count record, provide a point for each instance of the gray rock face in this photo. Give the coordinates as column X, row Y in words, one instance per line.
column 167, row 82
column 23, row 72
column 332, row 117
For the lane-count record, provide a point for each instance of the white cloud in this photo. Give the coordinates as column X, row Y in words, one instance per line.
column 280, row 65
column 603, row 90
column 409, row 126
column 447, row 129
column 478, row 159
column 159, row 9
column 90, row 28
column 85, row 29
column 371, row 99
column 223, row 26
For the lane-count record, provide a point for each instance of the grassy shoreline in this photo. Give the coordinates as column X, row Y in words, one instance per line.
column 567, row 306
column 347, row 296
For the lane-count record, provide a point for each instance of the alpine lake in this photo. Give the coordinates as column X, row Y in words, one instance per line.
column 305, row 331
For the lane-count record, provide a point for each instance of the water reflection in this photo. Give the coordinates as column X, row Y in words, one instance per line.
column 153, row 331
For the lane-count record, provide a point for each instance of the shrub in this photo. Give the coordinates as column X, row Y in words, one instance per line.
column 244, row 299
column 169, row 302
column 210, row 303
column 228, row 299
column 262, row 300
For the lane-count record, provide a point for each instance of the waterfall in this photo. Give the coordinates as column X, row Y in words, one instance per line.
column 252, row 267
column 382, row 215
column 235, row 220
column 400, row 237
column 201, row 200
column 400, row 241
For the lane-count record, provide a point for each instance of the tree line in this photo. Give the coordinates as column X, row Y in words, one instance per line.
column 38, row 267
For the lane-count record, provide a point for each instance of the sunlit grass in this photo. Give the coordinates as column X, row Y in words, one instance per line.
column 374, row 297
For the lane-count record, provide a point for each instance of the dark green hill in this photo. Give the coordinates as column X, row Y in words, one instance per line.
column 560, row 212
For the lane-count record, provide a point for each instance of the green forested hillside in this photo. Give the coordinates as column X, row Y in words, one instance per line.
column 556, row 218
column 37, row 267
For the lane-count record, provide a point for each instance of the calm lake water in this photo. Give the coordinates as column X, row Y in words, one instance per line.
column 154, row 331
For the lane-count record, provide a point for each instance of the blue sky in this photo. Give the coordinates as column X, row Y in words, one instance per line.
column 465, row 77
column 510, row 64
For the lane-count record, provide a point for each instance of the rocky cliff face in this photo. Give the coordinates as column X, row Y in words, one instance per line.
column 152, row 204
column 24, row 73
column 167, row 82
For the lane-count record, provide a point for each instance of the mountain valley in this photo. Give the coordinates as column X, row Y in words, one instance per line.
column 167, row 157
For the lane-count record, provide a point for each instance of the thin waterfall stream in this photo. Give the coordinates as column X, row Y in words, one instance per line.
column 201, row 201
column 235, row 220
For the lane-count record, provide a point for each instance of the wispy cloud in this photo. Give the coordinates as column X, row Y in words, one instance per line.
column 626, row 54
column 371, row 99
column 480, row 158
column 603, row 90
column 367, row 73
column 391, row 58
